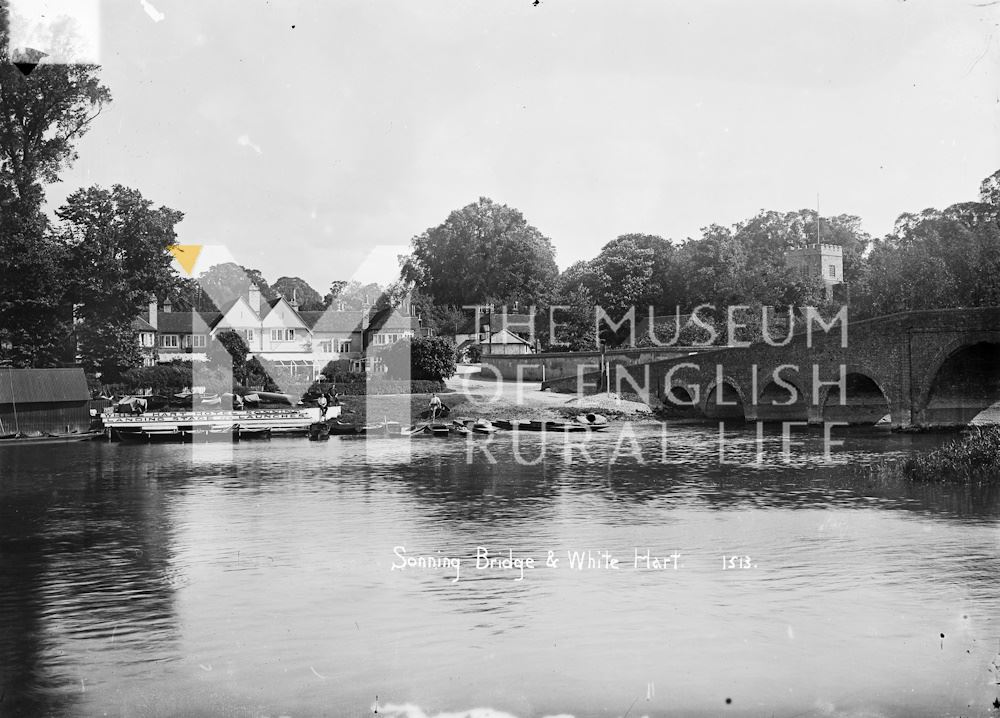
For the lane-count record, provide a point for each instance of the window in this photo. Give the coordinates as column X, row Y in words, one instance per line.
column 290, row 335
column 345, row 346
column 198, row 341
column 833, row 270
column 247, row 334
column 147, row 339
column 170, row 341
column 326, row 347
column 282, row 335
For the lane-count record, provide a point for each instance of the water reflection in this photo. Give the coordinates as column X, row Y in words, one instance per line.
column 258, row 578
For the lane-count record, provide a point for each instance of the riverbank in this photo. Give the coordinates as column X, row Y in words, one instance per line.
column 475, row 398
column 974, row 457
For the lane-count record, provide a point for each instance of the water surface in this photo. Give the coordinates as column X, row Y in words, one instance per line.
column 258, row 579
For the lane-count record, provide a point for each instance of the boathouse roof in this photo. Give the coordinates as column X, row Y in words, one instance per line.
column 30, row 386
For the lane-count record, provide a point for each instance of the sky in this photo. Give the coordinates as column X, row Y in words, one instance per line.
column 315, row 139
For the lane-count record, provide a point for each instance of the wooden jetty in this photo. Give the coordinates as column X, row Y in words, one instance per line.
column 206, row 425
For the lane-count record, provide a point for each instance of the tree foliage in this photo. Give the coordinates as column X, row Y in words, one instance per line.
column 934, row 259
column 295, row 287
column 42, row 115
column 430, row 358
column 485, row 252
column 225, row 282
column 117, row 244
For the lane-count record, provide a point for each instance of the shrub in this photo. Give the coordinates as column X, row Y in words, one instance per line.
column 376, row 387
column 430, row 358
column 474, row 353
column 161, row 379
column 337, row 367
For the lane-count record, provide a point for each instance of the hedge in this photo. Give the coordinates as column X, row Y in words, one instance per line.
column 376, row 387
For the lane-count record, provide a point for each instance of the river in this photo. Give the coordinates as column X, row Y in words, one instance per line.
column 275, row 578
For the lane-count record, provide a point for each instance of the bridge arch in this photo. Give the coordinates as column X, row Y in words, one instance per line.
column 733, row 404
column 961, row 381
column 866, row 403
column 678, row 394
column 773, row 399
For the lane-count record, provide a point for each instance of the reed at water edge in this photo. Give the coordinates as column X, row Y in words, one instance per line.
column 973, row 457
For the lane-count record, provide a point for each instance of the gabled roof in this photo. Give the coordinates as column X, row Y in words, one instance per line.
column 505, row 336
column 186, row 322
column 141, row 325
column 42, row 385
column 390, row 319
column 334, row 321
column 272, row 305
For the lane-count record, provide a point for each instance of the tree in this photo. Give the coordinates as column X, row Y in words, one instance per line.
column 225, row 282
column 934, row 259
column 34, row 320
column 117, row 255
column 354, row 295
column 41, row 116
column 989, row 189
column 308, row 298
column 187, row 295
column 623, row 274
column 484, row 252
column 423, row 358
column 573, row 328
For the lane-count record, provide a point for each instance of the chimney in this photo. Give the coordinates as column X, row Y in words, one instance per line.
column 253, row 298
column 295, row 300
column 167, row 306
column 152, row 312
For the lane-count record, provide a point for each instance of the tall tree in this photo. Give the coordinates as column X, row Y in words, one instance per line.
column 41, row 116
column 117, row 254
column 484, row 252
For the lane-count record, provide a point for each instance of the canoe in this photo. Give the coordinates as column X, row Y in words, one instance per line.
column 551, row 426
column 425, row 429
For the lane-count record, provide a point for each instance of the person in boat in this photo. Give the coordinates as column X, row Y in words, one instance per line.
column 237, row 402
column 434, row 406
column 322, row 402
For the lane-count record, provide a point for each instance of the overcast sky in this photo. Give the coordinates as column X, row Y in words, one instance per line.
column 299, row 134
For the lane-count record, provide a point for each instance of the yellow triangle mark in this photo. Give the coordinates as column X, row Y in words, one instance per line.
column 186, row 255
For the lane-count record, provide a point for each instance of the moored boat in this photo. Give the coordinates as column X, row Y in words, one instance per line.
column 542, row 426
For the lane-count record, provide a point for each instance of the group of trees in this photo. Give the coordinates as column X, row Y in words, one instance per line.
column 73, row 283
column 487, row 253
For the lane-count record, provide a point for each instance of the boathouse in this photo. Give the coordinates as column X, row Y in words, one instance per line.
column 43, row 401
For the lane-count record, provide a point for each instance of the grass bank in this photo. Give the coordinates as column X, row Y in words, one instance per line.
column 974, row 457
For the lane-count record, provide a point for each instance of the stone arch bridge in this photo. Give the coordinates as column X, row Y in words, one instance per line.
column 921, row 369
